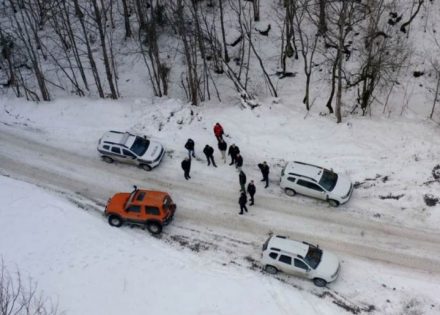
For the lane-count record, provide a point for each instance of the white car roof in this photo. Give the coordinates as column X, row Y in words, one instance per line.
column 123, row 138
column 286, row 245
column 307, row 170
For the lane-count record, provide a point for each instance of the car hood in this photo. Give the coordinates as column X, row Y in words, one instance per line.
column 153, row 152
column 343, row 186
column 329, row 264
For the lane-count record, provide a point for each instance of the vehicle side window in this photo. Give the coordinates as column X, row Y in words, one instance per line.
column 302, row 183
column 273, row 255
column 116, row 150
column 309, row 185
column 133, row 208
column 106, row 147
column 128, row 153
column 152, row 210
column 291, row 179
column 300, row 264
column 286, row 259
column 315, row 187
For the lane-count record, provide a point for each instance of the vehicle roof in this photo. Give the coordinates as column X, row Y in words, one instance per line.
column 123, row 138
column 150, row 197
column 304, row 169
column 287, row 245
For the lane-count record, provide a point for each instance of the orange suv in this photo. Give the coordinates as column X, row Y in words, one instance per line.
column 147, row 208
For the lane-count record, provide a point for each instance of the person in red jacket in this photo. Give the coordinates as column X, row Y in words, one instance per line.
column 218, row 131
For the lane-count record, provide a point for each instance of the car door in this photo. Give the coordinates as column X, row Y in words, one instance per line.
column 116, row 154
column 300, row 268
column 133, row 213
column 312, row 189
column 129, row 156
column 285, row 263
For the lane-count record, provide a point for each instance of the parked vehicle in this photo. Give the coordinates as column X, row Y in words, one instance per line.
column 129, row 148
column 300, row 259
column 317, row 182
column 147, row 208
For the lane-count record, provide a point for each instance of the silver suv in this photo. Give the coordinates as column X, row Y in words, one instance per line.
column 129, row 148
column 301, row 259
column 315, row 181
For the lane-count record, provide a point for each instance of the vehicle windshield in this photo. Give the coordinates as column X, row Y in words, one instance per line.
column 328, row 180
column 140, row 146
column 313, row 257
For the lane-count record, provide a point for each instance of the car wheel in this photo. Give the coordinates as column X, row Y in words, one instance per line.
column 154, row 227
column 319, row 282
column 270, row 269
column 290, row 192
column 114, row 220
column 146, row 167
column 333, row 203
column 107, row 159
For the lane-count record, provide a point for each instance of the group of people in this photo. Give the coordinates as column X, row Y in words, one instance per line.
column 236, row 159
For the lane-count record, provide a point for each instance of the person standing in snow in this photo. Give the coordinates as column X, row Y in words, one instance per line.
column 251, row 190
column 186, row 166
column 265, row 172
column 242, row 202
column 222, row 147
column 189, row 145
column 233, row 151
column 209, row 153
column 242, row 181
column 238, row 162
column 218, row 131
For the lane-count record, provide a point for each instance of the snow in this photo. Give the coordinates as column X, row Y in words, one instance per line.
column 54, row 188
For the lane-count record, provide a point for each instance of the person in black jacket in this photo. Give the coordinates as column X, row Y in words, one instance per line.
column 251, row 190
column 186, row 166
column 189, row 145
column 233, row 151
column 242, row 202
column 209, row 153
column 242, row 180
column 265, row 172
column 238, row 162
column 222, row 147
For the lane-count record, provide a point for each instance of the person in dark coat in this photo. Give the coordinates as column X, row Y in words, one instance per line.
column 242, row 180
column 242, row 202
column 233, row 151
column 189, row 145
column 265, row 172
column 251, row 190
column 186, row 166
column 218, row 131
column 238, row 162
column 209, row 153
column 222, row 147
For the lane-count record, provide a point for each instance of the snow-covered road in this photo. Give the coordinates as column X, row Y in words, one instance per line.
column 24, row 158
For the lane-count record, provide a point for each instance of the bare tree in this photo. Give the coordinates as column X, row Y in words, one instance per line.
column 22, row 298
column 126, row 19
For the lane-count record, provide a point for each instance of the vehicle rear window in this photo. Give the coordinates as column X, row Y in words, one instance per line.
column 107, row 147
column 273, row 255
column 116, row 150
column 286, row 259
column 133, row 208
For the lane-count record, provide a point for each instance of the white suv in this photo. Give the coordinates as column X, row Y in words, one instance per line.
column 301, row 259
column 315, row 181
column 130, row 148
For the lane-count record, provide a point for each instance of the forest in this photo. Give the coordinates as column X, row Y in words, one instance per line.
column 357, row 51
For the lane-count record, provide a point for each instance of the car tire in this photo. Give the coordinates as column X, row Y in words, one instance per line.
column 319, row 282
column 333, row 203
column 290, row 192
column 154, row 227
column 270, row 269
column 115, row 221
column 107, row 159
column 145, row 167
